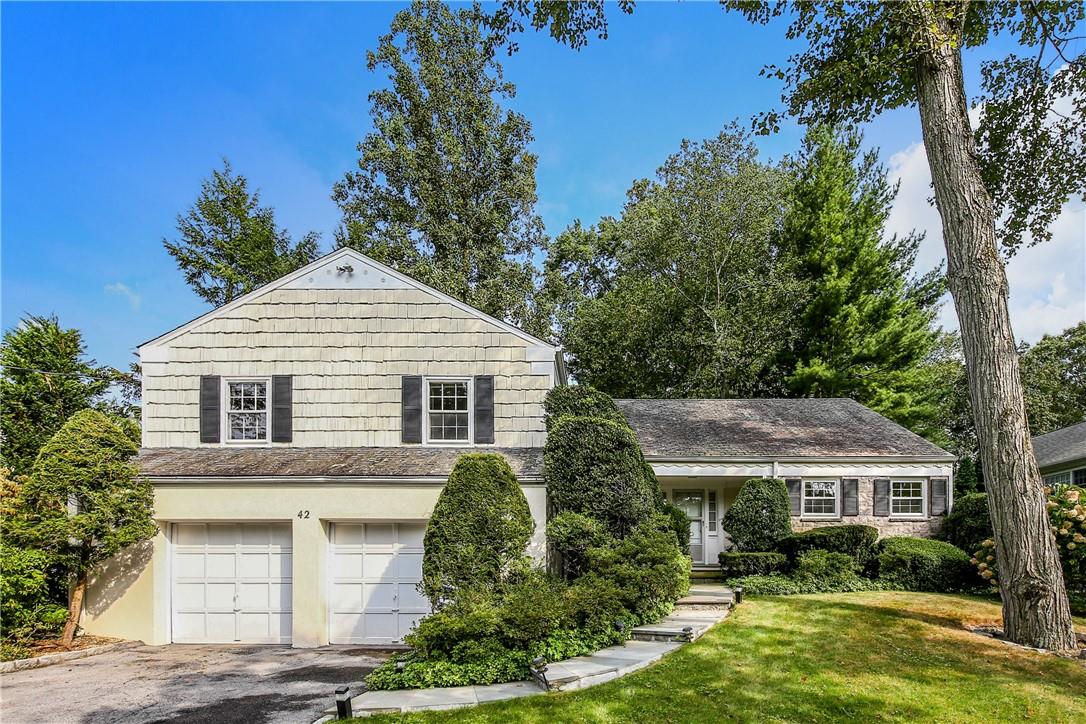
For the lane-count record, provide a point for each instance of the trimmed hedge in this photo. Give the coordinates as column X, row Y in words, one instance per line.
column 923, row 564
column 572, row 534
column 479, row 530
column 759, row 518
column 856, row 541
column 968, row 524
column 733, row 565
column 816, row 571
column 595, row 467
column 579, row 401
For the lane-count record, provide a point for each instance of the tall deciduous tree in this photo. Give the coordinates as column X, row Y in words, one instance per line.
column 45, row 378
column 84, row 502
column 687, row 293
column 866, row 329
column 228, row 244
column 445, row 187
column 1054, row 378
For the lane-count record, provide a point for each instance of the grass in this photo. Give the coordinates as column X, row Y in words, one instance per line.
column 876, row 656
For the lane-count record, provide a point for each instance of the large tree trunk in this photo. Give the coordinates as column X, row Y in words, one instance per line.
column 1035, row 607
column 75, row 607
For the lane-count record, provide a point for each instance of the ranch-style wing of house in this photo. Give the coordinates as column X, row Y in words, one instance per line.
column 297, row 440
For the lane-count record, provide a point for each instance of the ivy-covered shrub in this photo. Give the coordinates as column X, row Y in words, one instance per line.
column 967, row 524
column 579, row 401
column 479, row 530
column 759, row 517
column 816, row 571
column 922, row 564
column 734, row 565
column 571, row 535
column 855, row 541
column 595, row 467
column 26, row 610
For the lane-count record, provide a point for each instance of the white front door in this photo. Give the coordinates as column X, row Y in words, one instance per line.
column 692, row 502
column 231, row 583
column 375, row 568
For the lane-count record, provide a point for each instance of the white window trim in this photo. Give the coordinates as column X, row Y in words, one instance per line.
column 224, row 411
column 470, row 382
column 1048, row 479
column 923, row 498
column 803, row 514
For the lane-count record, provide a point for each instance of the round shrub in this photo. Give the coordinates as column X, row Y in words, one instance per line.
column 479, row 530
column 922, row 564
column 579, row 401
column 967, row 524
column 759, row 517
column 856, row 541
column 595, row 467
column 572, row 534
column 733, row 565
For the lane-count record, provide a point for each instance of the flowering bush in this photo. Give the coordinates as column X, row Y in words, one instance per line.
column 1067, row 514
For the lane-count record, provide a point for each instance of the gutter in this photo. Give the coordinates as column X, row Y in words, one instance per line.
column 530, row 480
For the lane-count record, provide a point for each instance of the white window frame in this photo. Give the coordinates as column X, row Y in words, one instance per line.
column 224, row 396
column 836, row 499
column 923, row 498
column 427, row 440
column 1050, row 479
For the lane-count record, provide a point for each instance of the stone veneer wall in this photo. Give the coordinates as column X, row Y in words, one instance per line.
column 918, row 527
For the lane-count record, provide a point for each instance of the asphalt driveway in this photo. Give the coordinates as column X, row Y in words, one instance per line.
column 186, row 683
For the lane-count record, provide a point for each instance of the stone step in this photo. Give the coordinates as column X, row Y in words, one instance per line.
column 683, row 625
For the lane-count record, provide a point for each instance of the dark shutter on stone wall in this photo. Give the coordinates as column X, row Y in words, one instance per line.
column 937, row 496
column 795, row 494
column 850, row 496
column 282, row 422
column 484, row 409
column 210, row 420
column 411, row 408
column 882, row 496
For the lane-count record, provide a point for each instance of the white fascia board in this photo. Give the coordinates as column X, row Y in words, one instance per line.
column 525, row 481
column 344, row 253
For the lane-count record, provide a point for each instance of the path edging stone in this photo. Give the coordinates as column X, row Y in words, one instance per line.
column 37, row 662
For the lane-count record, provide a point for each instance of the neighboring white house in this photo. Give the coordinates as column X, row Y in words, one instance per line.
column 298, row 438
column 1061, row 455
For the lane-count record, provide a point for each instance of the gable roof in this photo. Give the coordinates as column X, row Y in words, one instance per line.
column 773, row 428
column 341, row 255
column 1061, row 446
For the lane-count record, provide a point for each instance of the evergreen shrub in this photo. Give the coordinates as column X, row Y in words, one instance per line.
column 759, row 517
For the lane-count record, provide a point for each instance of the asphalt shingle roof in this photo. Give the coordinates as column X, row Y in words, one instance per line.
column 390, row 462
column 1060, row 446
column 807, row 427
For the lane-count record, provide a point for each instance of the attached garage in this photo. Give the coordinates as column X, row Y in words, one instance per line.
column 231, row 583
column 374, row 570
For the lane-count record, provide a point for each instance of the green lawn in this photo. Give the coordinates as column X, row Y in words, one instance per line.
column 858, row 656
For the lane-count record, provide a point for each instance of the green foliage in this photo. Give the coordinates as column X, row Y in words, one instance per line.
column 579, row 401
column 687, row 294
column 228, row 244
column 816, row 571
column 734, row 565
column 866, row 327
column 680, row 525
column 968, row 523
column 595, row 467
column 1054, row 380
column 922, row 564
column 36, row 405
column 571, row 535
column 759, row 518
column 445, row 188
column 26, row 608
column 479, row 529
column 855, row 541
column 967, row 479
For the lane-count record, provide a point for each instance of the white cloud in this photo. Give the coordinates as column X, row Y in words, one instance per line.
column 1047, row 281
column 123, row 290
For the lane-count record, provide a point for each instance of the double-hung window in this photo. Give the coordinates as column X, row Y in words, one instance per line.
column 907, row 498
column 821, row 498
column 1063, row 478
column 247, row 410
column 448, row 412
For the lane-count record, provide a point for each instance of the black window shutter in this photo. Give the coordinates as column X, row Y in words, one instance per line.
column 411, row 408
column 850, row 496
column 795, row 494
column 937, row 496
column 210, row 420
column 882, row 496
column 282, row 422
column 484, row 409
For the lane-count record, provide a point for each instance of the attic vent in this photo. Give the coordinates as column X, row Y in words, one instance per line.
column 345, row 269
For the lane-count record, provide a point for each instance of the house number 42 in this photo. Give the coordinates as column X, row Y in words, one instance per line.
column 303, row 513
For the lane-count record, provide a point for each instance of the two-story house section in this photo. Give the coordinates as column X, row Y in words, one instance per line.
column 297, row 440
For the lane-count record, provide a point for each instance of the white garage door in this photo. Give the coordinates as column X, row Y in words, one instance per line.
column 231, row 582
column 374, row 570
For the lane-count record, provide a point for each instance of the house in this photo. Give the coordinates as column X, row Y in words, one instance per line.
column 298, row 438
column 1061, row 455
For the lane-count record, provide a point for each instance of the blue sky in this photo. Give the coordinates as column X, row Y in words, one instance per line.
column 112, row 114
